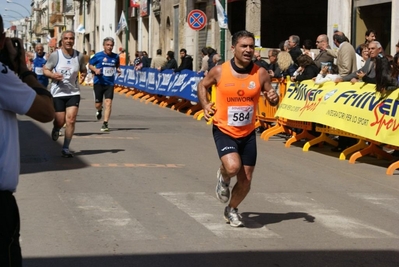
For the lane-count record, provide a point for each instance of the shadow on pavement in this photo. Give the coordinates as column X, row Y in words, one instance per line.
column 258, row 220
column 304, row 258
column 39, row 153
column 97, row 151
column 90, row 134
column 128, row 129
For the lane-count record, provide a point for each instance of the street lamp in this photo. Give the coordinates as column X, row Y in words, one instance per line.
column 9, row 10
column 6, row 15
column 11, row 2
column 30, row 16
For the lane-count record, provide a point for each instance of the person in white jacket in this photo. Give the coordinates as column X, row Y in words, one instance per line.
column 326, row 74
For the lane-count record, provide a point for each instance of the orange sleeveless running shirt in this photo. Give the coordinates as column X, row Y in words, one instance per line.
column 236, row 102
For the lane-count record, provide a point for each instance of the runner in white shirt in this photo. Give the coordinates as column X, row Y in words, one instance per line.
column 63, row 68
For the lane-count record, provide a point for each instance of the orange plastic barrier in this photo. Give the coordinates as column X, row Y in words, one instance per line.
column 395, row 165
column 265, row 115
column 285, row 126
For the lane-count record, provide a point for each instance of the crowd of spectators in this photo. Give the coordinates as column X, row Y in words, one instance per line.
column 367, row 63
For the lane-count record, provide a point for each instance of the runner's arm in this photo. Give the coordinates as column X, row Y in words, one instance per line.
column 267, row 88
column 210, row 79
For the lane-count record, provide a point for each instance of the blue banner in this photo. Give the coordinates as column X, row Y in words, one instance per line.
column 168, row 83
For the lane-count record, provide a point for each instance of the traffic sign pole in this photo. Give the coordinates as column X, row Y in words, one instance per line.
column 223, row 36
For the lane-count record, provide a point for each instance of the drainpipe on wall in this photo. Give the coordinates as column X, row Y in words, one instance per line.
column 150, row 29
column 95, row 28
column 48, row 23
column 140, row 28
column 126, row 29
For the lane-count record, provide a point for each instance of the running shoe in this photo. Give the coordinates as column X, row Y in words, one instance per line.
column 222, row 188
column 105, row 128
column 99, row 114
column 233, row 217
column 66, row 153
column 55, row 133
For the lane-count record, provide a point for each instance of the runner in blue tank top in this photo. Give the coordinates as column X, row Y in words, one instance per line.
column 104, row 64
column 38, row 62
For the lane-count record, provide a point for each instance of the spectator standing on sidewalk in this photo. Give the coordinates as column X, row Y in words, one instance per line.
column 23, row 95
column 158, row 61
column 186, row 61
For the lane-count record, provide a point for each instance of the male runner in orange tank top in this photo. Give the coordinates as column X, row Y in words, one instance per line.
column 239, row 83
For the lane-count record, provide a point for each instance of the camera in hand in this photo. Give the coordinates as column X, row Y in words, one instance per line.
column 5, row 55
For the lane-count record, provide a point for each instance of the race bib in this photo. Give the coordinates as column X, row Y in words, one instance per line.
column 240, row 116
column 108, row 71
column 39, row 71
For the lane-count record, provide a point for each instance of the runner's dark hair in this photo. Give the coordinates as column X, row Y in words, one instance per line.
column 240, row 34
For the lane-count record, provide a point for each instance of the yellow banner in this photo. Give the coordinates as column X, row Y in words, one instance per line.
column 354, row 108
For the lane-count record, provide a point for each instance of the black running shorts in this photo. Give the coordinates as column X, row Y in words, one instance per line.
column 63, row 102
column 244, row 146
column 103, row 91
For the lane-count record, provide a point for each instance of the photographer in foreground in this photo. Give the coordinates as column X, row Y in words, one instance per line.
column 23, row 95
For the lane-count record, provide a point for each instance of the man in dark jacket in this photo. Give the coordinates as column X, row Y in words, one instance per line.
column 186, row 61
column 295, row 50
column 171, row 62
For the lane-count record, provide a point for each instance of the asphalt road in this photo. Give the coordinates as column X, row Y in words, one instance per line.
column 143, row 195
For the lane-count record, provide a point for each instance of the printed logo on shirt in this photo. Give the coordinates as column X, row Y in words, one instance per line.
column 251, row 85
column 240, row 92
column 229, row 84
column 105, row 59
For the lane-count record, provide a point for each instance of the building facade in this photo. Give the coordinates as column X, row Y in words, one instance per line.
column 154, row 24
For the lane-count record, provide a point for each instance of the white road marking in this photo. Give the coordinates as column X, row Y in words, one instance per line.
column 329, row 217
column 101, row 213
column 208, row 211
column 384, row 201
